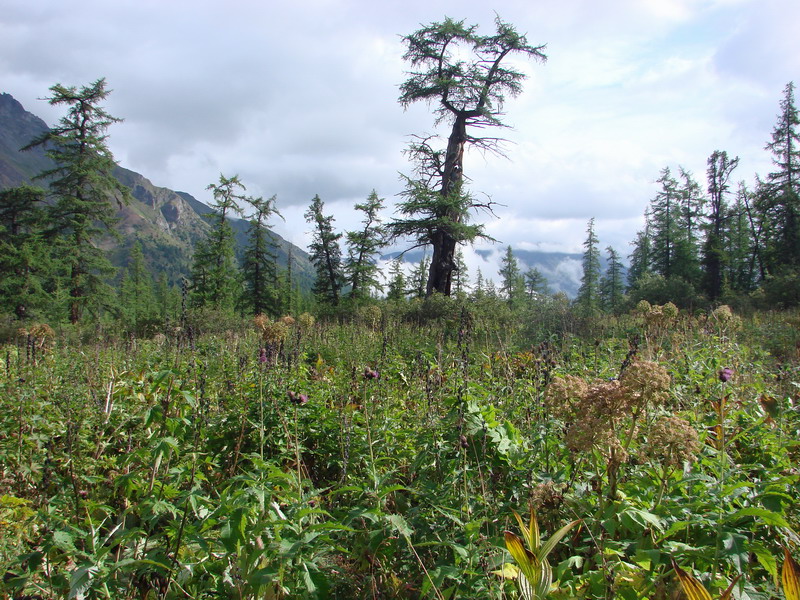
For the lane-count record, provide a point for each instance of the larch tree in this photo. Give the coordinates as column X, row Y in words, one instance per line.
column 535, row 283
column 664, row 225
column 137, row 301
column 215, row 273
column 326, row 254
column 363, row 246
column 779, row 195
column 82, row 186
column 397, row 281
column 24, row 255
column 588, row 298
column 611, row 284
column 512, row 284
column 715, row 258
column 466, row 78
column 641, row 257
column 261, row 293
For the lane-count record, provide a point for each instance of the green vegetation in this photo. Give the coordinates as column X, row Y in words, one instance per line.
column 165, row 441
column 385, row 456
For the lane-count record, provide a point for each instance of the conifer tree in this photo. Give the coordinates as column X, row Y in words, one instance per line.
column 361, row 268
column 535, row 283
column 739, row 245
column 611, row 285
column 466, row 78
column 24, row 255
column 641, row 256
column 326, row 254
column 136, row 294
column 260, row 260
column 419, row 277
column 460, row 273
column 686, row 261
column 779, row 196
column 215, row 274
column 664, row 230
column 512, row 286
column 715, row 258
column 82, row 186
column 588, row 298
column 397, row 280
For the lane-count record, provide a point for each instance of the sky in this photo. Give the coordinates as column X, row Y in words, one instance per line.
column 300, row 98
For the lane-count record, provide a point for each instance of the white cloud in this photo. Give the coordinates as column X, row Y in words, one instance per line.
column 300, row 99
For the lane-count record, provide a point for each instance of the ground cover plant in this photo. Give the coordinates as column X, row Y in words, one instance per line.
column 386, row 455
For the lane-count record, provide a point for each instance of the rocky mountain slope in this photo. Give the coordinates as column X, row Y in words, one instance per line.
column 167, row 223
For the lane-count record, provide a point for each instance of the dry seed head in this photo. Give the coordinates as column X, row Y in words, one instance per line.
column 564, row 394
column 43, row 331
column 672, row 441
column 306, row 320
column 261, row 321
column 287, row 320
column 646, row 383
column 275, row 333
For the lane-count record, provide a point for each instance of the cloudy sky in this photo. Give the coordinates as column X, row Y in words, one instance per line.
column 300, row 98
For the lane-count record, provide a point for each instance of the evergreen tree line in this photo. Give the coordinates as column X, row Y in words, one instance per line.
column 700, row 242
column 711, row 243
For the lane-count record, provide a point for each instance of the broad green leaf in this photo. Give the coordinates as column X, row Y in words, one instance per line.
column 80, row 580
column 399, row 523
column 548, row 546
column 767, row 516
column 765, row 558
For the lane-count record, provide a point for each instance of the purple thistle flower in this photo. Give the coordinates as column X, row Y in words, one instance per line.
column 262, row 356
column 298, row 399
column 725, row 374
column 371, row 374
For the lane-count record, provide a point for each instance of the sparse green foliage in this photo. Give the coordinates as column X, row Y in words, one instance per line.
column 215, row 272
column 466, row 94
column 361, row 269
column 326, row 254
column 260, row 269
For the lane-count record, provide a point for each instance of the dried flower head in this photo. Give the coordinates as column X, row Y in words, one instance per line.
column 672, row 442
column 287, row 320
column 646, row 383
column 261, row 321
column 670, row 310
column 564, row 394
column 274, row 333
column 306, row 320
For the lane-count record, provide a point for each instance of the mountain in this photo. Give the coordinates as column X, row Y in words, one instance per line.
column 562, row 270
column 166, row 223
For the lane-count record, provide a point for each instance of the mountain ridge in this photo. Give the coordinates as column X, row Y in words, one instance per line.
column 167, row 223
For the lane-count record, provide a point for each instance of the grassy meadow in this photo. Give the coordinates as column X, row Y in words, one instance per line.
column 385, row 456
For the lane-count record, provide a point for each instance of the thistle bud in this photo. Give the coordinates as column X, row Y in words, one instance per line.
column 725, row 374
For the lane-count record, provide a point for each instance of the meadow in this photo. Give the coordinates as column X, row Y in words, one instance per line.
column 385, row 456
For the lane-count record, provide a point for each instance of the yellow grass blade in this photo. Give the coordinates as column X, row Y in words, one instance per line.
column 533, row 532
column 790, row 577
column 693, row 588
